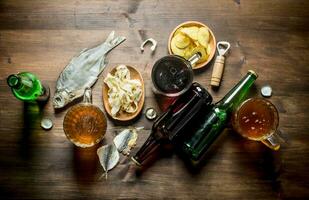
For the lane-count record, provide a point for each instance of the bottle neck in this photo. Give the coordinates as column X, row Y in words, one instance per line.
column 238, row 92
column 14, row 81
column 149, row 150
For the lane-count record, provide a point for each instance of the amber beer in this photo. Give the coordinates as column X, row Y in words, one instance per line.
column 85, row 124
column 256, row 119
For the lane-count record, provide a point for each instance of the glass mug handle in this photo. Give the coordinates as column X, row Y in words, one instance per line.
column 193, row 59
column 274, row 140
column 87, row 98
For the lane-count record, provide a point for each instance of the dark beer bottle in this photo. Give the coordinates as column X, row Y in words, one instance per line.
column 168, row 127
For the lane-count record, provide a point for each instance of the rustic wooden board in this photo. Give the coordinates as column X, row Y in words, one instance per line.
column 42, row 36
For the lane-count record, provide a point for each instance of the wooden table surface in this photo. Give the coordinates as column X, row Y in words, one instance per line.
column 271, row 37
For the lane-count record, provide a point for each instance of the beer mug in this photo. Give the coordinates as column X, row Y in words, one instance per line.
column 85, row 124
column 258, row 119
column 173, row 75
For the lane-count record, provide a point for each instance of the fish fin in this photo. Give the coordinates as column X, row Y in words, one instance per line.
column 114, row 43
column 82, row 51
column 110, row 37
column 103, row 174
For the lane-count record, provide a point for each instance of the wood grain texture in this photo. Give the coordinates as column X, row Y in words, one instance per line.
column 42, row 36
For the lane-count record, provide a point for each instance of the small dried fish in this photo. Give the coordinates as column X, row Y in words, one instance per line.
column 126, row 140
column 108, row 156
column 83, row 71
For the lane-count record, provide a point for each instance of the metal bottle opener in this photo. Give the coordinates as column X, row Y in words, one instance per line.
column 217, row 72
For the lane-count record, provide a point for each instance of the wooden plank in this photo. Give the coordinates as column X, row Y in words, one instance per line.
column 42, row 36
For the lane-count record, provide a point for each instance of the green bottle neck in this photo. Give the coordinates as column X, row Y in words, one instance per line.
column 234, row 97
column 26, row 86
column 14, row 81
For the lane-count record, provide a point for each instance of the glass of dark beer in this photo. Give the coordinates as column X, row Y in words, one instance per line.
column 173, row 75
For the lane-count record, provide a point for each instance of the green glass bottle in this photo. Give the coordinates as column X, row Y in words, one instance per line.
column 210, row 127
column 27, row 87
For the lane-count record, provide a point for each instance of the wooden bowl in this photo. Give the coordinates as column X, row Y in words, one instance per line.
column 212, row 41
column 121, row 115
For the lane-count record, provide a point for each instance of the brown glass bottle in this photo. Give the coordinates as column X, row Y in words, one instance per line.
column 168, row 127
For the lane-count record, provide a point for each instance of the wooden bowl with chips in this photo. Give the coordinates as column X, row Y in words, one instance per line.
column 122, row 115
column 191, row 37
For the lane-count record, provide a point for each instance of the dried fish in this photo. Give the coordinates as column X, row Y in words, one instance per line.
column 83, row 71
column 108, row 156
column 126, row 140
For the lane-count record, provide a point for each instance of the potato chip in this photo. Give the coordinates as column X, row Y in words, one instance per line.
column 182, row 41
column 189, row 40
column 203, row 36
column 175, row 49
column 196, row 43
column 192, row 32
column 208, row 49
column 188, row 52
column 178, row 31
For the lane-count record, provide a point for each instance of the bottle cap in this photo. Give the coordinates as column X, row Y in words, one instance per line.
column 46, row 123
column 150, row 113
column 253, row 72
column 266, row 91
